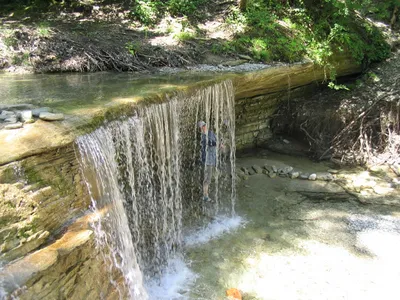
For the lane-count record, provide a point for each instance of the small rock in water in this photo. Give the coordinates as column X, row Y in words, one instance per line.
column 245, row 171
column 333, row 171
column 266, row 172
column 294, row 175
column 233, row 293
column 275, row 169
column 11, row 119
column 14, row 126
column 252, row 172
column 47, row 116
column 324, row 176
column 243, row 176
column 30, row 121
column 272, row 175
column 7, row 113
column 286, row 141
column 268, row 168
column 257, row 169
column 304, row 176
column 26, row 115
column 246, row 186
column 36, row 112
column 285, row 170
column 312, row 177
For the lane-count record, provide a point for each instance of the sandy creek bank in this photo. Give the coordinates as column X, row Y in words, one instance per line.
column 304, row 239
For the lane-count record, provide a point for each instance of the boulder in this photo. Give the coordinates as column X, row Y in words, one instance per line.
column 272, row 175
column 48, row 116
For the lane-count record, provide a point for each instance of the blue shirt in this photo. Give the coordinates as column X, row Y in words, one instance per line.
column 209, row 150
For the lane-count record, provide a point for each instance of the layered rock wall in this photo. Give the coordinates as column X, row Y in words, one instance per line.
column 253, row 115
column 258, row 94
column 40, row 195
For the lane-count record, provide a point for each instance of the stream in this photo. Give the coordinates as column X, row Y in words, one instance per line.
column 282, row 245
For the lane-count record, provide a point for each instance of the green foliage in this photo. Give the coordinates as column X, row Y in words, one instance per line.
column 146, row 11
column 9, row 38
column 185, row 7
column 44, row 29
column 185, row 36
column 21, row 59
column 132, row 47
column 337, row 87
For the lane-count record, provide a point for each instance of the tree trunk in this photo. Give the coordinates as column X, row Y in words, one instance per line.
column 242, row 5
column 394, row 16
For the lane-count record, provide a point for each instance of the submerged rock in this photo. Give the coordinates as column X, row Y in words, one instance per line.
column 47, row 116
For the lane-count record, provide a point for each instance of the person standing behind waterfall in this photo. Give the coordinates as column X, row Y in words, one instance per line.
column 208, row 156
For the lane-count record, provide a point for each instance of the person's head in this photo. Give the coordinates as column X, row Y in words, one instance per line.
column 203, row 126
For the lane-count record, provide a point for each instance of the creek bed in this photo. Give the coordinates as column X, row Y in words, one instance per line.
column 284, row 245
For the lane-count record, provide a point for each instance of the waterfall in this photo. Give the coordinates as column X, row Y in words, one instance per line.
column 144, row 178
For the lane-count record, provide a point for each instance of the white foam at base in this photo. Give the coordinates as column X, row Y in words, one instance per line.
column 215, row 229
column 173, row 284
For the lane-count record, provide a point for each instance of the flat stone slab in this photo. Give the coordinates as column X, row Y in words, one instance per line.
column 33, row 139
